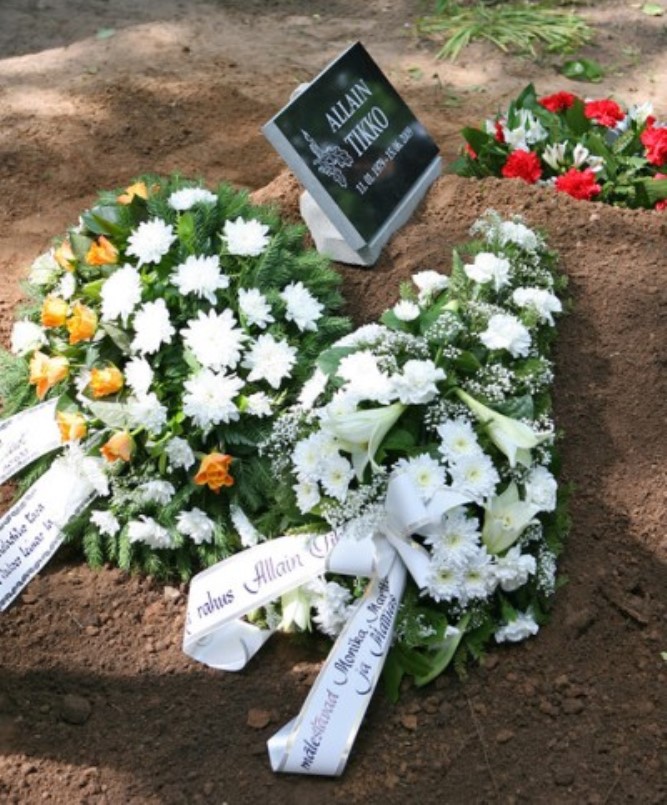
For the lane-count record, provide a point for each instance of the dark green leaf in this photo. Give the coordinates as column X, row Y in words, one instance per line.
column 583, row 70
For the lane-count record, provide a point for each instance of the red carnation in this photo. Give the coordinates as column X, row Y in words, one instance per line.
column 558, row 102
column 500, row 134
column 522, row 165
column 606, row 112
column 579, row 184
column 655, row 142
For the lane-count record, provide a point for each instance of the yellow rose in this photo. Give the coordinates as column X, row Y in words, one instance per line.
column 136, row 189
column 102, row 253
column 72, row 425
column 106, row 381
column 82, row 324
column 54, row 311
column 45, row 372
column 65, row 256
column 120, row 446
column 214, row 472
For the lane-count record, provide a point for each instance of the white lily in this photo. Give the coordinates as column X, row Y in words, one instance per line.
column 295, row 606
column 515, row 439
column 505, row 519
column 360, row 433
column 554, row 154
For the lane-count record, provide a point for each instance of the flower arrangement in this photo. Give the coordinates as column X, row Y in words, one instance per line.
column 594, row 150
column 172, row 324
column 452, row 391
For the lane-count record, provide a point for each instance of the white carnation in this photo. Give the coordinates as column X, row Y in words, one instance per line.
column 160, row 492
column 255, row 308
column 406, row 310
column 270, row 360
column 259, row 404
column 120, row 294
column 245, row 238
column 542, row 302
column 520, row 234
column 523, row 626
column 487, row 267
column 312, row 389
column 147, row 411
column 196, row 525
column 247, row 532
column 214, row 339
column 506, row 332
column 187, row 197
column 27, row 337
column 366, row 334
column 201, row 277
column 416, row 385
column 513, row 569
column 430, row 283
column 541, row 489
column 148, row 531
column 302, row 307
column 105, row 521
column 179, row 453
column 209, row 398
column 365, row 379
column 138, row 375
column 150, row 241
column 152, row 327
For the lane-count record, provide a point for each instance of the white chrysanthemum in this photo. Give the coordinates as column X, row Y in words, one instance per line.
column 541, row 488
column 366, row 334
column 255, row 308
column 27, row 337
column 66, row 286
column 147, row 411
column 333, row 604
column 312, row 389
column 44, row 269
column 148, row 531
column 120, row 294
column 523, row 626
column 200, row 276
column 245, row 238
column 160, row 492
column 214, row 339
column 425, row 472
column 365, row 379
column 150, row 241
column 105, row 521
column 196, row 525
column 336, row 475
column 443, row 581
column 457, row 540
column 479, row 579
column 247, row 532
column 457, row 438
column 187, row 197
column 518, row 233
column 513, row 569
column 430, row 283
column 270, row 359
column 152, row 327
column 405, row 310
column 309, row 454
column 488, row 267
column 302, row 307
column 506, row 332
column 416, row 385
column 179, row 453
column 258, row 404
column 307, row 495
column 474, row 475
column 209, row 398
column 138, row 375
column 91, row 470
column 544, row 303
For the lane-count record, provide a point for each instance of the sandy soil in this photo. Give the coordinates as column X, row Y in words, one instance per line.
column 97, row 702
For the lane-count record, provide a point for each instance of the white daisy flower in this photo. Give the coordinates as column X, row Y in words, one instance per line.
column 336, row 475
column 120, row 294
column 148, row 531
column 523, row 626
column 302, row 307
column 457, row 540
column 479, row 579
column 160, row 492
column 179, row 453
column 201, row 277
column 214, row 339
column 506, row 332
column 309, row 453
column 542, row 302
column 187, row 197
column 406, row 310
column 270, row 360
column 26, row 337
column 150, row 241
column 255, row 308
column 245, row 238
column 488, row 267
column 209, row 398
column 307, row 495
column 258, row 404
column 425, row 472
column 105, row 521
column 458, row 438
column 138, row 375
column 474, row 475
column 196, row 525
column 416, row 385
column 443, row 581
column 152, row 327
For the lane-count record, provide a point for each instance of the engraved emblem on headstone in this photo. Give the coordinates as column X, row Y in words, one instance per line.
column 330, row 160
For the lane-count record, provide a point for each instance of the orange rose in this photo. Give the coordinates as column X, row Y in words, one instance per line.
column 65, row 256
column 136, row 189
column 45, row 372
column 106, row 381
column 54, row 311
column 102, row 253
column 72, row 425
column 120, row 446
column 214, row 472
column 82, row 324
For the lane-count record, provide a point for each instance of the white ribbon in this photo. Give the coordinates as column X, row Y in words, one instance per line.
column 26, row 437
column 319, row 740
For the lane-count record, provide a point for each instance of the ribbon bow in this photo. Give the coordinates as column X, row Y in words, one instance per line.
column 320, row 738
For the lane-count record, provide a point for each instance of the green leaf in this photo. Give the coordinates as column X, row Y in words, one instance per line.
column 477, row 139
column 104, row 221
column 655, row 189
column 583, row 70
column 392, row 675
column 443, row 656
column 653, row 10
column 517, row 407
column 114, row 415
column 80, row 245
column 330, row 359
column 391, row 320
column 119, row 336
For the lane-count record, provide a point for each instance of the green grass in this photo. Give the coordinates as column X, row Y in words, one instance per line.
column 519, row 27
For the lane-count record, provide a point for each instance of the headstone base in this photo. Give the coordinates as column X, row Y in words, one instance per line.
column 331, row 243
